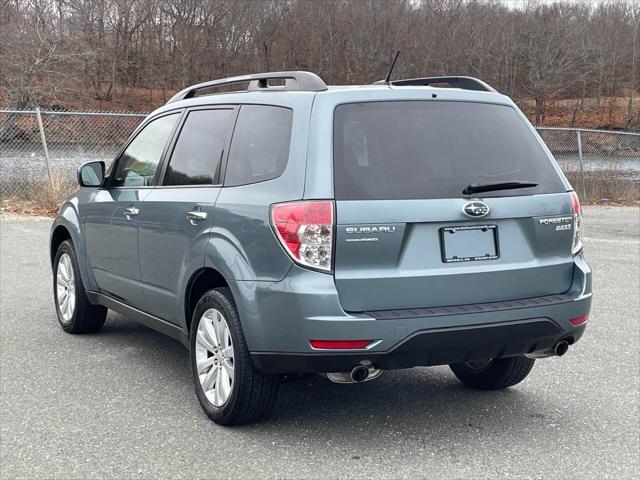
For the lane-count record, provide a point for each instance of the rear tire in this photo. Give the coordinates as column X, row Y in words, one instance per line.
column 497, row 374
column 230, row 389
column 75, row 313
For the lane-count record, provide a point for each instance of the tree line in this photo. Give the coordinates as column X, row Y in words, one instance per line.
column 57, row 51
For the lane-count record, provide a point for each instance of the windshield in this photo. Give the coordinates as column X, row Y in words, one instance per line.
column 434, row 149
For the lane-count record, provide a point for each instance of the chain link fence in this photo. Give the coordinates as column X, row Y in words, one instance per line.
column 40, row 149
column 601, row 164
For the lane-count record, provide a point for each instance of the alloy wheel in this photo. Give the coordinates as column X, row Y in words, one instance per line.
column 65, row 287
column 214, row 357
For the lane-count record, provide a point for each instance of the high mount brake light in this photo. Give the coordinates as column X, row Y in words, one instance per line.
column 576, row 245
column 305, row 230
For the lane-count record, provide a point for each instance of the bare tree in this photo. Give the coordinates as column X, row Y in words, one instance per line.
column 635, row 53
column 33, row 55
column 137, row 52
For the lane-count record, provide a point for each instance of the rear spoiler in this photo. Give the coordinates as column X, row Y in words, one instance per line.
column 465, row 83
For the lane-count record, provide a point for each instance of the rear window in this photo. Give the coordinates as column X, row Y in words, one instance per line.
column 434, row 149
column 260, row 145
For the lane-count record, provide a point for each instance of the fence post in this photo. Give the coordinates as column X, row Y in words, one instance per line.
column 584, row 187
column 43, row 139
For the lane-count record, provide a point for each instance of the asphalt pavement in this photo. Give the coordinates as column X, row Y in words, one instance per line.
column 120, row 403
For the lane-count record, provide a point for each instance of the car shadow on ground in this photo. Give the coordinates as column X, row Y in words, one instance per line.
column 418, row 401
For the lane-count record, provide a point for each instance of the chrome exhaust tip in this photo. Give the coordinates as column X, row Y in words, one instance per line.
column 359, row 373
column 561, row 348
column 362, row 372
column 558, row 350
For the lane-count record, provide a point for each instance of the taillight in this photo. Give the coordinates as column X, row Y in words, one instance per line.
column 305, row 230
column 576, row 245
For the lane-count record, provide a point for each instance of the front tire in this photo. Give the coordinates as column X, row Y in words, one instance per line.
column 229, row 388
column 75, row 313
column 495, row 374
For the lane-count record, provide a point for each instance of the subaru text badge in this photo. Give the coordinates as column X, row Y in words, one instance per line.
column 475, row 209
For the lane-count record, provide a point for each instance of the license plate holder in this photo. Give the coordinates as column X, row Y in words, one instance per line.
column 469, row 243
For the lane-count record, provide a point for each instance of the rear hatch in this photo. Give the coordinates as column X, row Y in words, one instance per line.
column 403, row 239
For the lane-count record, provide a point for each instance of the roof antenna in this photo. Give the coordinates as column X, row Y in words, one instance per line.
column 387, row 79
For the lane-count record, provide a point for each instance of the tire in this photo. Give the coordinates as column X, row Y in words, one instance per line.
column 229, row 388
column 497, row 374
column 75, row 313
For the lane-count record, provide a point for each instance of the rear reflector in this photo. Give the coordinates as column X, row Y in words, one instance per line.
column 579, row 320
column 339, row 344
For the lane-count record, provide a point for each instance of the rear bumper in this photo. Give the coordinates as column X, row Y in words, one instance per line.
column 280, row 318
column 432, row 347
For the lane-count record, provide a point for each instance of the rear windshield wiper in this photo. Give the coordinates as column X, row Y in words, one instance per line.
column 491, row 186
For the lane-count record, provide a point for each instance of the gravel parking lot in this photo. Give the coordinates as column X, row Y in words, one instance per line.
column 120, row 404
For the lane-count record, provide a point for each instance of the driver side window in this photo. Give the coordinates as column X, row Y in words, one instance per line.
column 138, row 163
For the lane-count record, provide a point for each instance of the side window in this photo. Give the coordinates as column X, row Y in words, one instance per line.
column 198, row 151
column 138, row 163
column 260, row 146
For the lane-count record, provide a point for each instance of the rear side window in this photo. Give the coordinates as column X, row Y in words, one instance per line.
column 198, row 151
column 434, row 149
column 260, row 145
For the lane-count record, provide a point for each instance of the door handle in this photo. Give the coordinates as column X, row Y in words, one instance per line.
column 131, row 212
column 196, row 215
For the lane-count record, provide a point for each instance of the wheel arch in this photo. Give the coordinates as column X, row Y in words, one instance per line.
column 59, row 234
column 201, row 280
column 66, row 226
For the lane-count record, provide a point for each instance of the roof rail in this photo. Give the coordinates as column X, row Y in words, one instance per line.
column 293, row 81
column 465, row 83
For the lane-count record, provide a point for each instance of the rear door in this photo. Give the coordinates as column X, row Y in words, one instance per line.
column 403, row 238
column 177, row 216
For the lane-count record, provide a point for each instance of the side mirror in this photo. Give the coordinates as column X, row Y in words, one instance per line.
column 91, row 174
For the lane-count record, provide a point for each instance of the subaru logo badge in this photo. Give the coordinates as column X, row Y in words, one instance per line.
column 475, row 209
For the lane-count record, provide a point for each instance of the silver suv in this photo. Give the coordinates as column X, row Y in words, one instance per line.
column 288, row 227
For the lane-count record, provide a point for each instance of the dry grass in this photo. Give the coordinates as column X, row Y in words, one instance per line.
column 606, row 186
column 39, row 198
